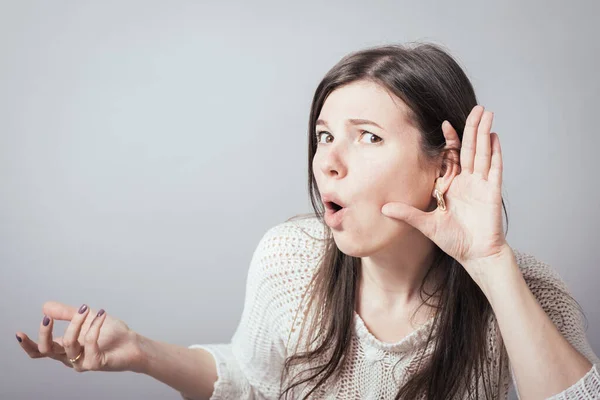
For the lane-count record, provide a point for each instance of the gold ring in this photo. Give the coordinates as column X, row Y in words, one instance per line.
column 73, row 360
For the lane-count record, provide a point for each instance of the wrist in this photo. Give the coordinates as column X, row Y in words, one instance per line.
column 141, row 346
column 493, row 272
column 192, row 372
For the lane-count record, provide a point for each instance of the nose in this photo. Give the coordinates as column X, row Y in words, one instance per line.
column 332, row 164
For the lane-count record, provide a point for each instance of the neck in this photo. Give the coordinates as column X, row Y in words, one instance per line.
column 390, row 279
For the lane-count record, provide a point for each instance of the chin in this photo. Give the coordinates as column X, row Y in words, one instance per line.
column 366, row 244
column 354, row 251
column 356, row 247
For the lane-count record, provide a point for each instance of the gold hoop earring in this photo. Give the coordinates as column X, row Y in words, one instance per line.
column 440, row 200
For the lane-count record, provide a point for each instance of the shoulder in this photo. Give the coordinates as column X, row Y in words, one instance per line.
column 288, row 254
column 556, row 299
column 300, row 227
column 296, row 240
column 553, row 294
column 534, row 268
column 283, row 265
column 543, row 279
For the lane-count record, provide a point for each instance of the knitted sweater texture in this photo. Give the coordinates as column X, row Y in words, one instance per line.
column 250, row 365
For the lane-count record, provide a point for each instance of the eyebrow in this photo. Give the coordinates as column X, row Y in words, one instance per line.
column 353, row 121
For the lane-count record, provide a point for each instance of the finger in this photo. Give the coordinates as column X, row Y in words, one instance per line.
column 94, row 358
column 59, row 311
column 423, row 221
column 71, row 336
column 495, row 175
column 29, row 346
column 46, row 345
column 45, row 336
column 452, row 139
column 483, row 152
column 469, row 140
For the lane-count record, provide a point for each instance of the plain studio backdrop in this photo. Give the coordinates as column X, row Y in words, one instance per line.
column 147, row 146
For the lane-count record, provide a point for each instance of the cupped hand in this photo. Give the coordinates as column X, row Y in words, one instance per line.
column 102, row 343
column 470, row 228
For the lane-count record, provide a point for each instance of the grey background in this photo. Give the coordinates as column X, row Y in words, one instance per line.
column 147, row 146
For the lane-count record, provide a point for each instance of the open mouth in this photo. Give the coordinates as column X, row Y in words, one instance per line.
column 334, row 206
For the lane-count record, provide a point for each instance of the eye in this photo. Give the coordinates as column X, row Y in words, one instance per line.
column 373, row 135
column 362, row 132
column 319, row 136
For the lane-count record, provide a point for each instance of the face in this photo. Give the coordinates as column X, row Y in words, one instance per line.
column 367, row 166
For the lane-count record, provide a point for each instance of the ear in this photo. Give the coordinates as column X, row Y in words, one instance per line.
column 450, row 162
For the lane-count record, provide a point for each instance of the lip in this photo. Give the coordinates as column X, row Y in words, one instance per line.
column 333, row 218
column 327, row 197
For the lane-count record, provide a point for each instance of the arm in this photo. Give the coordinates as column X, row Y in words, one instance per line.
column 192, row 372
column 248, row 367
column 543, row 361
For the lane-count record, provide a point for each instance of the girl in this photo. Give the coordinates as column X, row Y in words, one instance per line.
column 400, row 286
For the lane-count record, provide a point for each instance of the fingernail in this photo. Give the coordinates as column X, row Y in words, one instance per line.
column 19, row 339
column 82, row 309
column 100, row 313
column 46, row 321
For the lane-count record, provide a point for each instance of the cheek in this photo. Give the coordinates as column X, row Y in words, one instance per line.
column 369, row 231
column 315, row 165
column 386, row 186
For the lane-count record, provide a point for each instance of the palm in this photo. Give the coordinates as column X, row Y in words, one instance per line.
column 472, row 227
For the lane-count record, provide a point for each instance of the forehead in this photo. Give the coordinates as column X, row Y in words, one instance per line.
column 365, row 99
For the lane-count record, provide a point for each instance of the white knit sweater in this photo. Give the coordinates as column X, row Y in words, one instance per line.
column 281, row 267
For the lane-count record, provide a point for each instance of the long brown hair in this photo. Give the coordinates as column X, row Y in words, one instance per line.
column 435, row 88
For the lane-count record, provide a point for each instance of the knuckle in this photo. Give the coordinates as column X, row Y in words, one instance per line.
column 68, row 341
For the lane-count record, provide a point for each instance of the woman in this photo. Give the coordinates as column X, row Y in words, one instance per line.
column 402, row 284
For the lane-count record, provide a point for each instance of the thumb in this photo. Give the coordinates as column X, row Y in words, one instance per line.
column 59, row 311
column 423, row 221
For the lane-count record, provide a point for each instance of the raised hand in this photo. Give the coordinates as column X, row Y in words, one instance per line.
column 470, row 228
column 93, row 341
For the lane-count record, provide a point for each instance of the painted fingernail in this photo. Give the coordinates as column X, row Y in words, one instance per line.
column 46, row 321
column 19, row 339
column 82, row 309
column 100, row 313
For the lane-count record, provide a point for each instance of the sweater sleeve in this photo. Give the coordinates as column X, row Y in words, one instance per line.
column 557, row 301
column 249, row 366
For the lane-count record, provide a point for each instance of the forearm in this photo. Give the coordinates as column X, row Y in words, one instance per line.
column 192, row 372
column 543, row 361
